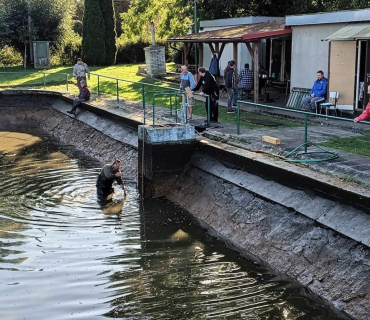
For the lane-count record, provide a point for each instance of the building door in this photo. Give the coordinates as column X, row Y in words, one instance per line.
column 342, row 72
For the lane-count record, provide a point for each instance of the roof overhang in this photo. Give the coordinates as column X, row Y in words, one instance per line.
column 351, row 32
column 266, row 35
column 241, row 33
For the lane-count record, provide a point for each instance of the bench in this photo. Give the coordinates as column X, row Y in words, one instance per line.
column 296, row 96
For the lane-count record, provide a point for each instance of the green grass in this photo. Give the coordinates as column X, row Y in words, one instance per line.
column 359, row 145
column 56, row 81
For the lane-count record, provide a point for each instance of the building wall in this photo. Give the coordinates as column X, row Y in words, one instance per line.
column 309, row 53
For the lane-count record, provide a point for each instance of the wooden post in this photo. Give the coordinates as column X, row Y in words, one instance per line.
column 200, row 55
column 256, row 73
column 186, row 61
column 217, row 48
column 235, row 55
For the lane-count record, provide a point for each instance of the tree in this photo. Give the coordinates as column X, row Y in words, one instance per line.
column 93, row 39
column 107, row 9
column 50, row 21
column 170, row 17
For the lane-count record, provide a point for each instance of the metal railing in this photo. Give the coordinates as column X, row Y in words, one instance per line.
column 39, row 73
column 306, row 143
column 166, row 92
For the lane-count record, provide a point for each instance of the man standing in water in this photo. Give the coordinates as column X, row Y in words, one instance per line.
column 109, row 174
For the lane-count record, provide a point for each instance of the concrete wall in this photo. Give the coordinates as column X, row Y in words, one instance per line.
column 309, row 53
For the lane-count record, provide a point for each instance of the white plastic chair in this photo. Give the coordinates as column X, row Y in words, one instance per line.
column 331, row 104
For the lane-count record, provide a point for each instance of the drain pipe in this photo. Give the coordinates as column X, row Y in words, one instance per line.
column 182, row 53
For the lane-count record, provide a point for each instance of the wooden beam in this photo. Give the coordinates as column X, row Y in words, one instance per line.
column 256, row 73
column 211, row 47
column 221, row 50
column 248, row 45
column 271, row 140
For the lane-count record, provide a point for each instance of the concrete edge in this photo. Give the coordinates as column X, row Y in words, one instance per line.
column 350, row 222
column 289, row 174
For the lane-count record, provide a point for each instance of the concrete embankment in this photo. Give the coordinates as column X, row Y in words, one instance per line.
column 310, row 226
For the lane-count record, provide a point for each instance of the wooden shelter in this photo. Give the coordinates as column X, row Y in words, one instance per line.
column 250, row 34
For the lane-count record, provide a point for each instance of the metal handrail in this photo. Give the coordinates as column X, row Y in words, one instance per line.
column 306, row 114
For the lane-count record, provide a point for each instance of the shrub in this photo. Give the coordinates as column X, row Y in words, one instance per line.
column 68, row 54
column 130, row 52
column 10, row 57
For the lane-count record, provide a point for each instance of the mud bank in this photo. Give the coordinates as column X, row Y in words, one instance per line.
column 318, row 240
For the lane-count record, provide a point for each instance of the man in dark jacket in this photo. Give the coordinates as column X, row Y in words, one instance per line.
column 83, row 96
column 109, row 174
column 210, row 88
column 231, row 86
column 318, row 92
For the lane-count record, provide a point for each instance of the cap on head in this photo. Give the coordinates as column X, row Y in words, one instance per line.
column 83, row 82
column 79, row 59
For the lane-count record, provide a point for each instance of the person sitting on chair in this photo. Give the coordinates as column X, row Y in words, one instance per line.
column 317, row 93
column 83, row 96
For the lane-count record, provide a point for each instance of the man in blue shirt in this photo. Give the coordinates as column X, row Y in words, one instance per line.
column 187, row 80
column 317, row 93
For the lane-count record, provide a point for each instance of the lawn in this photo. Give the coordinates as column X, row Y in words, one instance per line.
column 55, row 79
column 359, row 145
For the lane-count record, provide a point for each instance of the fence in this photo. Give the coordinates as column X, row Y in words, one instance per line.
column 138, row 89
column 306, row 143
column 40, row 79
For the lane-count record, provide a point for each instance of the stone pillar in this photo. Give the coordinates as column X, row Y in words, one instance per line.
column 155, row 61
column 163, row 154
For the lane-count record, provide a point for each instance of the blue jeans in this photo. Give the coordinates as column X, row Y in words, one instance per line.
column 232, row 98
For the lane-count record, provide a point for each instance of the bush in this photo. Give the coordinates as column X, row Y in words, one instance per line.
column 69, row 53
column 130, row 52
column 10, row 57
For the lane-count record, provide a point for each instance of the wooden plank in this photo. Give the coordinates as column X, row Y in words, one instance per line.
column 271, row 140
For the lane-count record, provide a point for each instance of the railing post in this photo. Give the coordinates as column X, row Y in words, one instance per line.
column 67, row 78
column 117, row 90
column 238, row 120
column 98, row 84
column 208, row 111
column 171, row 106
column 305, row 133
column 153, row 110
column 143, row 92
column 44, row 81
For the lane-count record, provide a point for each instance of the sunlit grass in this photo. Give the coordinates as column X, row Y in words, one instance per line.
column 359, row 145
column 127, row 90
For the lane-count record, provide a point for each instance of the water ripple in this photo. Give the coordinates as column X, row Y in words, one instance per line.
column 64, row 255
